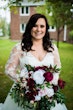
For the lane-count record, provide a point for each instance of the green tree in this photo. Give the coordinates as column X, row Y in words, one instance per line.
column 61, row 15
column 4, row 26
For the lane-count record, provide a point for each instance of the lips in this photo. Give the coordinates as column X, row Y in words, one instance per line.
column 38, row 34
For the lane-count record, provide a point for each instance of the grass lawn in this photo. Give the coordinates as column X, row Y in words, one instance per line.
column 66, row 55
column 5, row 82
column 66, row 52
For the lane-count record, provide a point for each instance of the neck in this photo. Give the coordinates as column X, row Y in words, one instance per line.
column 38, row 43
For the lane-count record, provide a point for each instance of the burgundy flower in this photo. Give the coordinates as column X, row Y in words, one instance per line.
column 32, row 93
column 61, row 83
column 55, row 88
column 30, row 83
column 48, row 76
column 30, row 96
column 39, row 67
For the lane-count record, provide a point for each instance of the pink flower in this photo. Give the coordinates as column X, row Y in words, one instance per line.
column 61, row 83
column 42, row 92
column 48, row 76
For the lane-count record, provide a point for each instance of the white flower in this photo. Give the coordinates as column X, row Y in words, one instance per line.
column 55, row 78
column 38, row 76
column 24, row 73
column 37, row 97
column 49, row 91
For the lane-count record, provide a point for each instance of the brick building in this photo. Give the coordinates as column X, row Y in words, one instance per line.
column 20, row 19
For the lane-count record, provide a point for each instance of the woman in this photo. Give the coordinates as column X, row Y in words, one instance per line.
column 35, row 49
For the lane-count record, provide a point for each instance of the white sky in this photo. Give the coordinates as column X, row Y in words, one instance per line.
column 4, row 13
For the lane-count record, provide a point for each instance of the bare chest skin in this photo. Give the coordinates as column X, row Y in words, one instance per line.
column 39, row 53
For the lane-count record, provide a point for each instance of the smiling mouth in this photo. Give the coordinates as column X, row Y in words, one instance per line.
column 38, row 33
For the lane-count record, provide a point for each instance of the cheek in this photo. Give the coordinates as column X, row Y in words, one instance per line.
column 44, row 30
column 32, row 32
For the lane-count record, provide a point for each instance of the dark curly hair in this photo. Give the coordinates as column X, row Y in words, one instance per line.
column 26, row 38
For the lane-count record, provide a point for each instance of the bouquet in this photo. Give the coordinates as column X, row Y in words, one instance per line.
column 38, row 88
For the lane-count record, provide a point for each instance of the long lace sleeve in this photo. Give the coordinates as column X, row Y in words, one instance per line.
column 13, row 62
column 56, row 62
column 56, row 57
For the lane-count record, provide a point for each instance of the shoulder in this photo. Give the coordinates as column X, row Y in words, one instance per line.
column 54, row 46
column 17, row 46
column 17, row 49
column 55, row 51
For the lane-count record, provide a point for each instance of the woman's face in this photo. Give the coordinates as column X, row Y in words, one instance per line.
column 39, row 30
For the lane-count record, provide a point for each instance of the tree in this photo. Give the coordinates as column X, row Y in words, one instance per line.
column 4, row 26
column 61, row 15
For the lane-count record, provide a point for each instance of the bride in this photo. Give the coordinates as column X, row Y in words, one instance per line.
column 35, row 49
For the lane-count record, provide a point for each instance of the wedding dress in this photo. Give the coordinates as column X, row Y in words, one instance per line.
column 19, row 57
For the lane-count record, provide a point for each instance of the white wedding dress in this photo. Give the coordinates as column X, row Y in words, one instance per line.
column 18, row 57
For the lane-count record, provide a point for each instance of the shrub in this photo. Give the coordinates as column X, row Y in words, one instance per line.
column 71, row 35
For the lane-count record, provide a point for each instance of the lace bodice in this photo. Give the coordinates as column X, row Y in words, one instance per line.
column 19, row 58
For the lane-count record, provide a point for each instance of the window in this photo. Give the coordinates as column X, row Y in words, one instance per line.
column 24, row 11
column 22, row 27
column 27, row 10
column 52, row 28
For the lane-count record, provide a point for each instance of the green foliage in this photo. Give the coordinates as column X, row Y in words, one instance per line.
column 60, row 97
column 71, row 35
column 61, row 13
column 45, row 106
column 14, row 3
column 43, row 10
column 20, row 98
column 69, row 1
column 4, row 26
column 17, row 3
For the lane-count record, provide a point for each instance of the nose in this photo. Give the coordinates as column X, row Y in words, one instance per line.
column 38, row 28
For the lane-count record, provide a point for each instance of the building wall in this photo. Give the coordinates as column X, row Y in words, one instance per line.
column 53, row 35
column 14, row 25
column 16, row 19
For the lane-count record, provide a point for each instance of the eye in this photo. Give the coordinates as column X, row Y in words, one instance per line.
column 42, row 26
